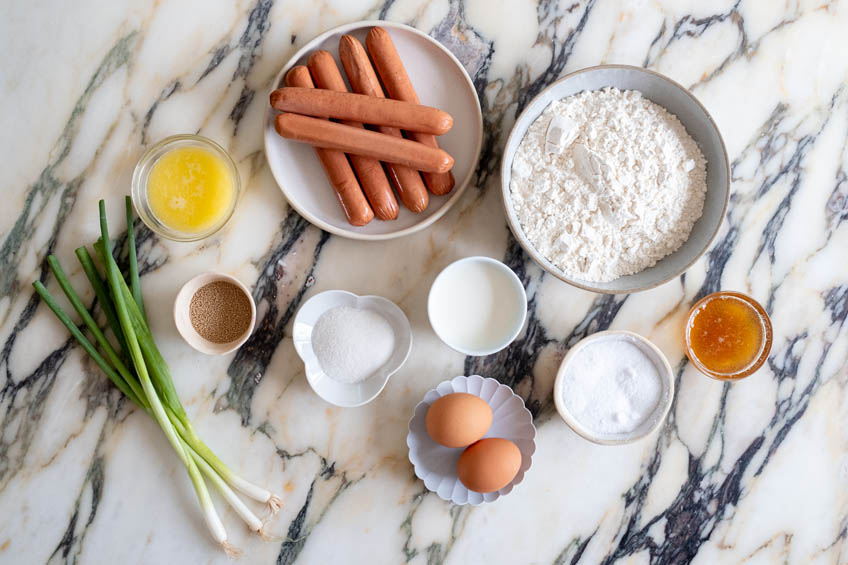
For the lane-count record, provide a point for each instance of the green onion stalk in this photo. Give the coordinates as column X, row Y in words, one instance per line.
column 136, row 367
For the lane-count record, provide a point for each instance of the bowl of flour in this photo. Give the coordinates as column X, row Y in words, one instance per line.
column 615, row 179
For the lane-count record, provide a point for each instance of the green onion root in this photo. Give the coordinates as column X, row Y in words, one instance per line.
column 254, row 523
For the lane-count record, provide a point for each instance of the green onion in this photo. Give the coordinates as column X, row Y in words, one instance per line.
column 165, row 386
column 135, row 283
column 113, row 277
column 111, row 354
column 83, row 341
column 140, row 372
column 102, row 294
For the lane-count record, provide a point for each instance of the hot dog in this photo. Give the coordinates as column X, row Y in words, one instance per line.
column 323, row 133
column 369, row 171
column 363, row 79
column 398, row 86
column 361, row 108
column 353, row 202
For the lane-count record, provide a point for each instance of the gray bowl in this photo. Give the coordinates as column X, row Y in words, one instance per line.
column 698, row 123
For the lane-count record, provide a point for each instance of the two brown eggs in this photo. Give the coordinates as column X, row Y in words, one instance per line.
column 461, row 420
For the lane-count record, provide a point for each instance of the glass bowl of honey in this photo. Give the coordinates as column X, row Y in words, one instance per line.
column 185, row 187
column 728, row 335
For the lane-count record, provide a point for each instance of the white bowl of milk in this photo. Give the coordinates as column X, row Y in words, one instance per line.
column 477, row 305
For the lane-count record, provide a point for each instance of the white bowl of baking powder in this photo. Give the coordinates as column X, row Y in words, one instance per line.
column 676, row 100
column 614, row 387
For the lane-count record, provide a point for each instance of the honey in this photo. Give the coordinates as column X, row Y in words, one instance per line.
column 728, row 335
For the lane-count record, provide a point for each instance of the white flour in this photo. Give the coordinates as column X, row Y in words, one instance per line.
column 611, row 386
column 623, row 194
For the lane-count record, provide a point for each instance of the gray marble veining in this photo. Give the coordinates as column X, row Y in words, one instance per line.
column 748, row 472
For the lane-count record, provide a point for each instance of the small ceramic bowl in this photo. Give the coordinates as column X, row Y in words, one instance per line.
column 652, row 422
column 698, row 123
column 436, row 464
column 442, row 313
column 183, row 320
column 349, row 394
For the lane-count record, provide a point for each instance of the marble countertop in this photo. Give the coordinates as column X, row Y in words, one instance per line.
column 751, row 472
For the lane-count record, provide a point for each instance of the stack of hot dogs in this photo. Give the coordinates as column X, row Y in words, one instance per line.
column 316, row 94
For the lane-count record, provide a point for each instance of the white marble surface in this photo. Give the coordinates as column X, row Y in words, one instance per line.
column 753, row 472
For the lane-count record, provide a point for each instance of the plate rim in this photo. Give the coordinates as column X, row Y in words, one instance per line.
column 459, row 189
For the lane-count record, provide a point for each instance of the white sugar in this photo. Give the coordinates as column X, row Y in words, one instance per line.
column 611, row 386
column 351, row 344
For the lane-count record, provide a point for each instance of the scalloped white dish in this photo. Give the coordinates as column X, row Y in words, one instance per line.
column 349, row 394
column 436, row 465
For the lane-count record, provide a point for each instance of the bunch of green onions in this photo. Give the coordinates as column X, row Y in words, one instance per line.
column 146, row 380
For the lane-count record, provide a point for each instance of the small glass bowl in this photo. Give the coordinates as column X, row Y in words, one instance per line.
column 142, row 172
column 765, row 346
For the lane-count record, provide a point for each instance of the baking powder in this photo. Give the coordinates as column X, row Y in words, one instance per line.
column 611, row 386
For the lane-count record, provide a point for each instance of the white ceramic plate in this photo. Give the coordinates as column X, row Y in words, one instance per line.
column 440, row 81
column 676, row 99
column 436, row 464
column 349, row 394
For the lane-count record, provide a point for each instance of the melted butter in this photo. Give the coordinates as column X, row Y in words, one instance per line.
column 190, row 189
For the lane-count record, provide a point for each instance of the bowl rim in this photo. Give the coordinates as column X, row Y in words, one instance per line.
column 514, row 280
column 662, row 410
column 454, row 195
column 515, row 226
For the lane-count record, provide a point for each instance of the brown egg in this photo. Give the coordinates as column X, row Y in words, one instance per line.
column 458, row 419
column 489, row 465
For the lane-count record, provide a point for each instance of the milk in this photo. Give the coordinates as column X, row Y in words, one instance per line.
column 477, row 305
